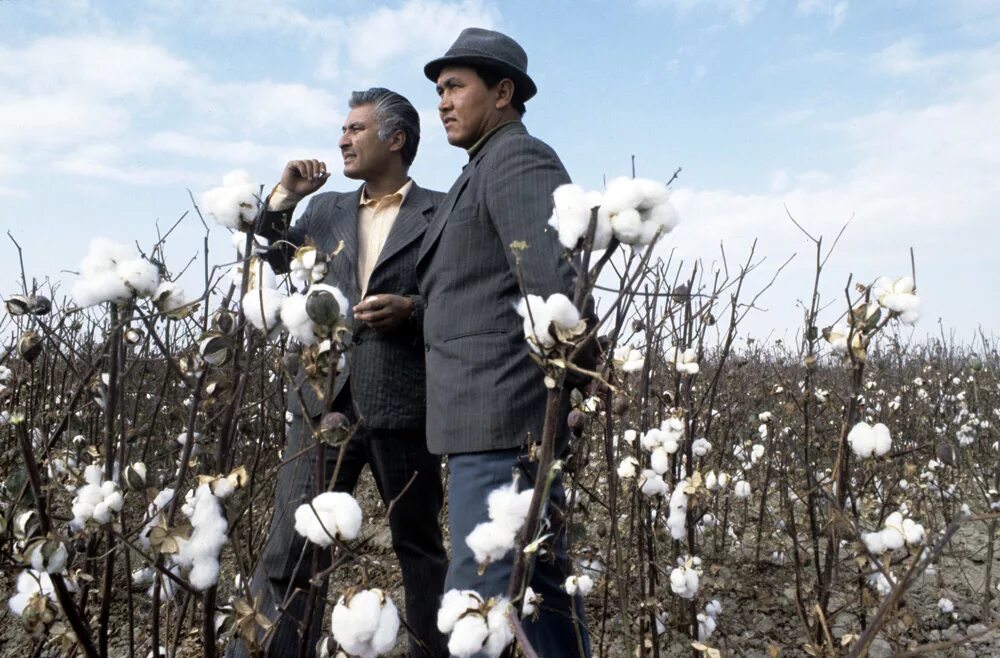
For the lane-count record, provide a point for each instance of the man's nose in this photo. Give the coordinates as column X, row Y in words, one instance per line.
column 444, row 104
column 344, row 141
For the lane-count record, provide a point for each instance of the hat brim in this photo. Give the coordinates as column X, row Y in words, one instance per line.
column 524, row 86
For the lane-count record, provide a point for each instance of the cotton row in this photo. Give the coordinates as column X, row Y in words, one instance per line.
column 508, row 509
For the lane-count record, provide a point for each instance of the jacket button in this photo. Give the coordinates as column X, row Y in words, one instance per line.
column 427, row 347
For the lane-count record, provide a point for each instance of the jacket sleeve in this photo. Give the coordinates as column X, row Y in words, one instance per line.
column 275, row 226
column 519, row 203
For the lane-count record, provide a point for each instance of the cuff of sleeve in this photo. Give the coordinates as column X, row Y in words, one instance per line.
column 282, row 199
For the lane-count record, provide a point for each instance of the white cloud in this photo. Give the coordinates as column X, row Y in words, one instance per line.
column 836, row 10
column 419, row 29
column 55, row 120
column 740, row 11
column 925, row 176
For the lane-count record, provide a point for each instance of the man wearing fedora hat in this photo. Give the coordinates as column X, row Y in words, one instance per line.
column 485, row 394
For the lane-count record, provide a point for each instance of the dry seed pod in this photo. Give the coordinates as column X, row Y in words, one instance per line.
column 18, row 304
column 214, row 348
column 576, row 420
column 224, row 322
column 946, row 454
column 619, row 405
column 322, row 308
column 29, row 346
column 133, row 336
column 38, row 305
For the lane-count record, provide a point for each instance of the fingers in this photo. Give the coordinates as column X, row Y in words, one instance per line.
column 372, row 303
column 309, row 169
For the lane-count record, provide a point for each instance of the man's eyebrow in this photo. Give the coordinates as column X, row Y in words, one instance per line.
column 356, row 125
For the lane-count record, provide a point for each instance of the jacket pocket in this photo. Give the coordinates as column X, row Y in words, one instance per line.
column 478, row 332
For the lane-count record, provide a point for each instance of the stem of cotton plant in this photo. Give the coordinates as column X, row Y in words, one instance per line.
column 112, row 401
column 519, row 571
column 58, row 584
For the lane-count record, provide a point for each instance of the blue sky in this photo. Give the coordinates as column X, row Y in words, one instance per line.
column 884, row 111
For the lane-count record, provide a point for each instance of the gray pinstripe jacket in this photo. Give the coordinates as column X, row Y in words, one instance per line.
column 386, row 371
column 484, row 392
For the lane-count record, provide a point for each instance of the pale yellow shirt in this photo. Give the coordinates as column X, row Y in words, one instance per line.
column 375, row 220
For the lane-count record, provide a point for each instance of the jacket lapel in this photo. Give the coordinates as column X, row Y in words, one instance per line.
column 444, row 210
column 343, row 226
column 410, row 224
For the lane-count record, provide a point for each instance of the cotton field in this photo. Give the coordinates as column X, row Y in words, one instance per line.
column 832, row 496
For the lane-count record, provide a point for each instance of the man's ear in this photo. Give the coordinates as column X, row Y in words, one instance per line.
column 505, row 93
column 397, row 141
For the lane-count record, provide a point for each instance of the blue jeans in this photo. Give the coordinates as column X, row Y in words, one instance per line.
column 560, row 630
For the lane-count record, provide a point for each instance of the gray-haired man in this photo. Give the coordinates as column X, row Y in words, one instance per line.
column 381, row 225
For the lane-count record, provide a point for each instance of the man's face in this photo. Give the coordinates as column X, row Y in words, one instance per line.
column 365, row 155
column 467, row 105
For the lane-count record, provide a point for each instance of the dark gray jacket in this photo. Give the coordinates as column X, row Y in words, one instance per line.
column 484, row 392
column 386, row 371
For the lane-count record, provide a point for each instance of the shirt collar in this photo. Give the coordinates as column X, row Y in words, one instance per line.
column 478, row 146
column 401, row 193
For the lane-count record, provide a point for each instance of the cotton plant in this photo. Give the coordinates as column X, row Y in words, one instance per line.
column 34, row 598
column 678, row 507
column 685, row 578
column 898, row 296
column 330, row 515
column 308, row 266
column 97, row 501
column 365, row 623
column 199, row 553
column 48, row 556
column 628, row 359
column 234, row 203
column 741, row 489
column 684, row 361
column 651, row 484
column 550, row 321
column 113, row 272
column 708, row 619
column 507, row 508
column 474, row 625
column 869, row 440
column 170, row 300
column 582, row 585
column 663, row 441
column 898, row 531
column 628, row 468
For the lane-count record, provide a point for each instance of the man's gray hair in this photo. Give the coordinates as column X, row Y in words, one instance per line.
column 392, row 112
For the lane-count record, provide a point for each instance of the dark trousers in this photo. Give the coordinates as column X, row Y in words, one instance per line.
column 393, row 457
column 560, row 631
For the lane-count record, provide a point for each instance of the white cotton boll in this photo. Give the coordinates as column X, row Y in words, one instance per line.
column 659, row 460
column 56, row 561
column 651, row 193
column 140, row 276
column 29, row 583
column 684, row 581
column 713, row 608
column 562, row 312
column 862, row 440
column 454, row 604
column 491, row 541
column 536, row 322
column 295, row 319
column 114, row 500
column 913, row 532
column 652, row 439
column 652, row 484
column 338, row 514
column 723, row 480
column 622, row 194
column 628, row 468
column 663, row 216
column 234, row 203
column 629, row 436
column 628, row 358
column 582, row 584
column 468, row 636
column 674, row 426
column 501, row 632
column 99, row 288
column 882, row 439
column 102, row 513
column 742, row 489
column 945, row 606
column 530, row 601
column 104, row 255
column 892, row 538
column 627, row 226
column 711, row 481
column 706, row 626
column 208, row 536
column 570, row 214
column 873, row 542
column 701, row 447
column 508, row 506
column 262, row 308
column 367, row 625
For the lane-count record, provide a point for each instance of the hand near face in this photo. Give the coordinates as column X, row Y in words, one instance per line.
column 384, row 312
column 303, row 177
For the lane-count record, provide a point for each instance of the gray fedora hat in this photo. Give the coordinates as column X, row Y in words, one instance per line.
column 487, row 48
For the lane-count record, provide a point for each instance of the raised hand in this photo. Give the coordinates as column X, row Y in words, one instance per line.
column 303, row 177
